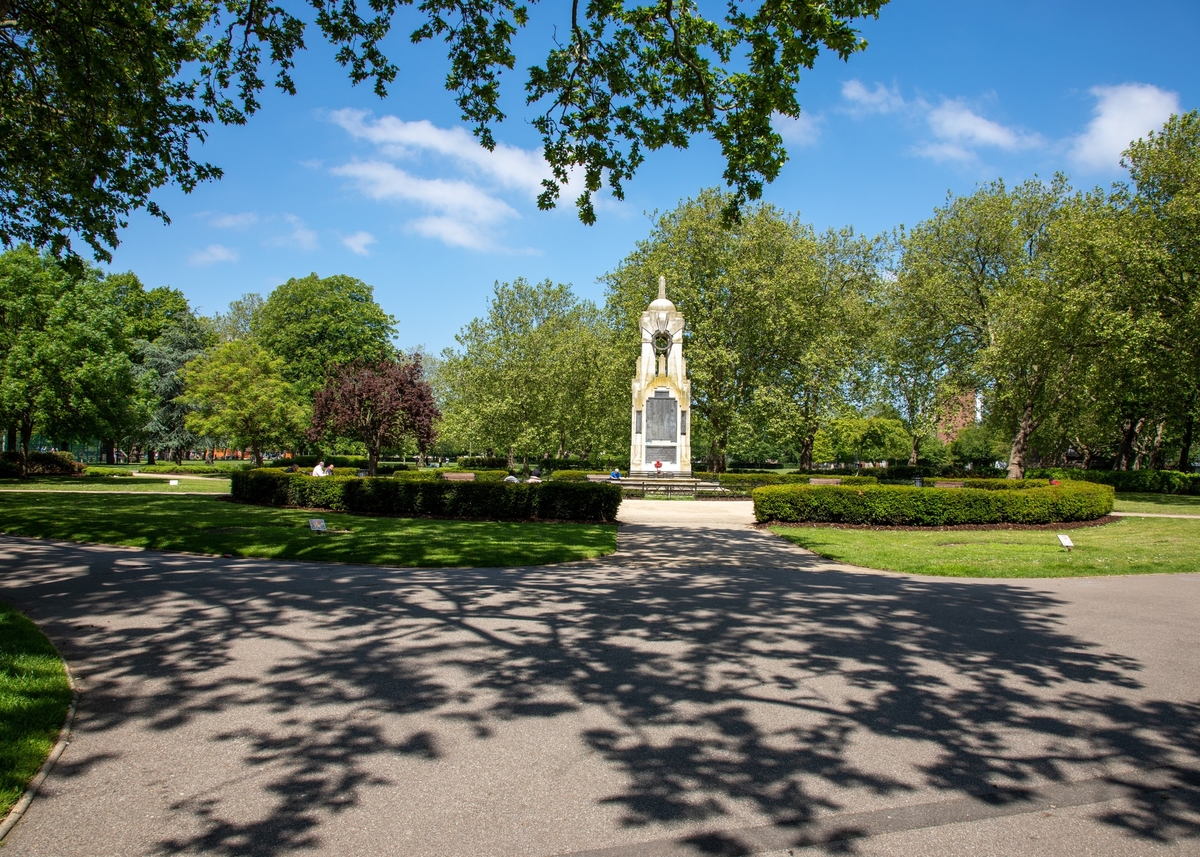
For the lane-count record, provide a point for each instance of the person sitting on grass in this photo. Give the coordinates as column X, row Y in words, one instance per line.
column 328, row 470
column 319, row 470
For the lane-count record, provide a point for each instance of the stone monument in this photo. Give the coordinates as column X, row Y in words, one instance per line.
column 662, row 395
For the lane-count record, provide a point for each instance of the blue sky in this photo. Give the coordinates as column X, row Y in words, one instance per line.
column 395, row 192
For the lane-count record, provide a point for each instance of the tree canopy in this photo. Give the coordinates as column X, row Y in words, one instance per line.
column 105, row 100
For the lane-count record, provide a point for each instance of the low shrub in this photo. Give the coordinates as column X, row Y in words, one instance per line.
column 106, row 470
column 903, row 505
column 42, row 464
column 193, row 469
column 546, row 465
column 1144, row 481
column 437, row 498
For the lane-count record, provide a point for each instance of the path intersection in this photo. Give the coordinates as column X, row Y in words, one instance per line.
column 707, row 690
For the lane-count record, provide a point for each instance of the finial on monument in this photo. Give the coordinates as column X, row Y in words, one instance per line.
column 662, row 288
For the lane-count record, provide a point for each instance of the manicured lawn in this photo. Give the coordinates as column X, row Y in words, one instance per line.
column 34, row 696
column 1164, row 504
column 216, row 526
column 1128, row 546
column 207, row 485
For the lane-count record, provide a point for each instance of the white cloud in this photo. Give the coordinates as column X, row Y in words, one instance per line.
column 1123, row 114
column 878, row 99
column 944, row 152
column 234, row 221
column 359, row 242
column 213, row 254
column 301, row 237
column 804, row 130
column 955, row 122
column 455, row 233
column 383, row 181
column 509, row 166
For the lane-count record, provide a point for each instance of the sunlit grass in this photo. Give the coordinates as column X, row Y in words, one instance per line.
column 216, row 526
column 126, row 484
column 1127, row 546
column 1163, row 504
column 34, row 696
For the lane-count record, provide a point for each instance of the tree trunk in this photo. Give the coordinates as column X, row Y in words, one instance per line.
column 806, row 452
column 150, row 456
column 23, row 447
column 915, row 453
column 1156, row 449
column 1125, row 454
column 512, row 458
column 257, row 452
column 1185, row 451
column 108, row 451
column 372, row 460
column 1016, row 456
column 716, row 453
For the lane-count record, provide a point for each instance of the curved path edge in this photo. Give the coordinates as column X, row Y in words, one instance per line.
column 64, row 738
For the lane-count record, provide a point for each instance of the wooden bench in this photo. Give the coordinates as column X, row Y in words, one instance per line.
column 825, row 481
column 951, row 484
column 454, row 476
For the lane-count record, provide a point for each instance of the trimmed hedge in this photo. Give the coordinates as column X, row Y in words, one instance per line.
column 750, row 481
column 193, row 469
column 346, row 462
column 407, row 498
column 903, row 505
column 95, row 471
column 1145, row 481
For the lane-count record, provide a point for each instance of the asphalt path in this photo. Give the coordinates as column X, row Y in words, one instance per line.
column 709, row 689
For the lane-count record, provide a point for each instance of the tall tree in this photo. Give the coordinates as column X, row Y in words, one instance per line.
column 1165, row 169
column 160, row 369
column 314, row 324
column 985, row 264
column 105, row 99
column 65, row 367
column 378, row 404
column 534, row 375
column 237, row 393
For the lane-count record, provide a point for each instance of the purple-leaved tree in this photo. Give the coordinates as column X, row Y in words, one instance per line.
column 377, row 402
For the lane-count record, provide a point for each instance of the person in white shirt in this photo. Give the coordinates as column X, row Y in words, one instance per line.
column 319, row 470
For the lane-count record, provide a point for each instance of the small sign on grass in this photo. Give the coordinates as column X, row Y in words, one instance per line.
column 1066, row 542
column 317, row 525
column 173, row 482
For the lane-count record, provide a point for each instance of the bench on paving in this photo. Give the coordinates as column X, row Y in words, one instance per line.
column 596, row 477
column 825, row 481
column 451, row 476
column 948, row 484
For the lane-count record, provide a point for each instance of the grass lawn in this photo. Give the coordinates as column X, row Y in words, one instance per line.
column 1163, row 504
column 1128, row 546
column 208, row 485
column 215, row 526
column 34, row 696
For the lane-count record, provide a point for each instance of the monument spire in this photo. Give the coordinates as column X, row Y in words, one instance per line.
column 662, row 288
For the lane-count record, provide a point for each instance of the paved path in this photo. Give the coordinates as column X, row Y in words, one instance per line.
column 709, row 689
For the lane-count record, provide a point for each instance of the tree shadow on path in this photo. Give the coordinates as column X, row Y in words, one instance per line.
column 738, row 680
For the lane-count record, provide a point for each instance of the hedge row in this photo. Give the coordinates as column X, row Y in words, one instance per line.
column 903, row 505
column 1146, row 481
column 505, row 501
column 344, row 462
column 193, row 469
column 470, row 462
column 748, row 481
